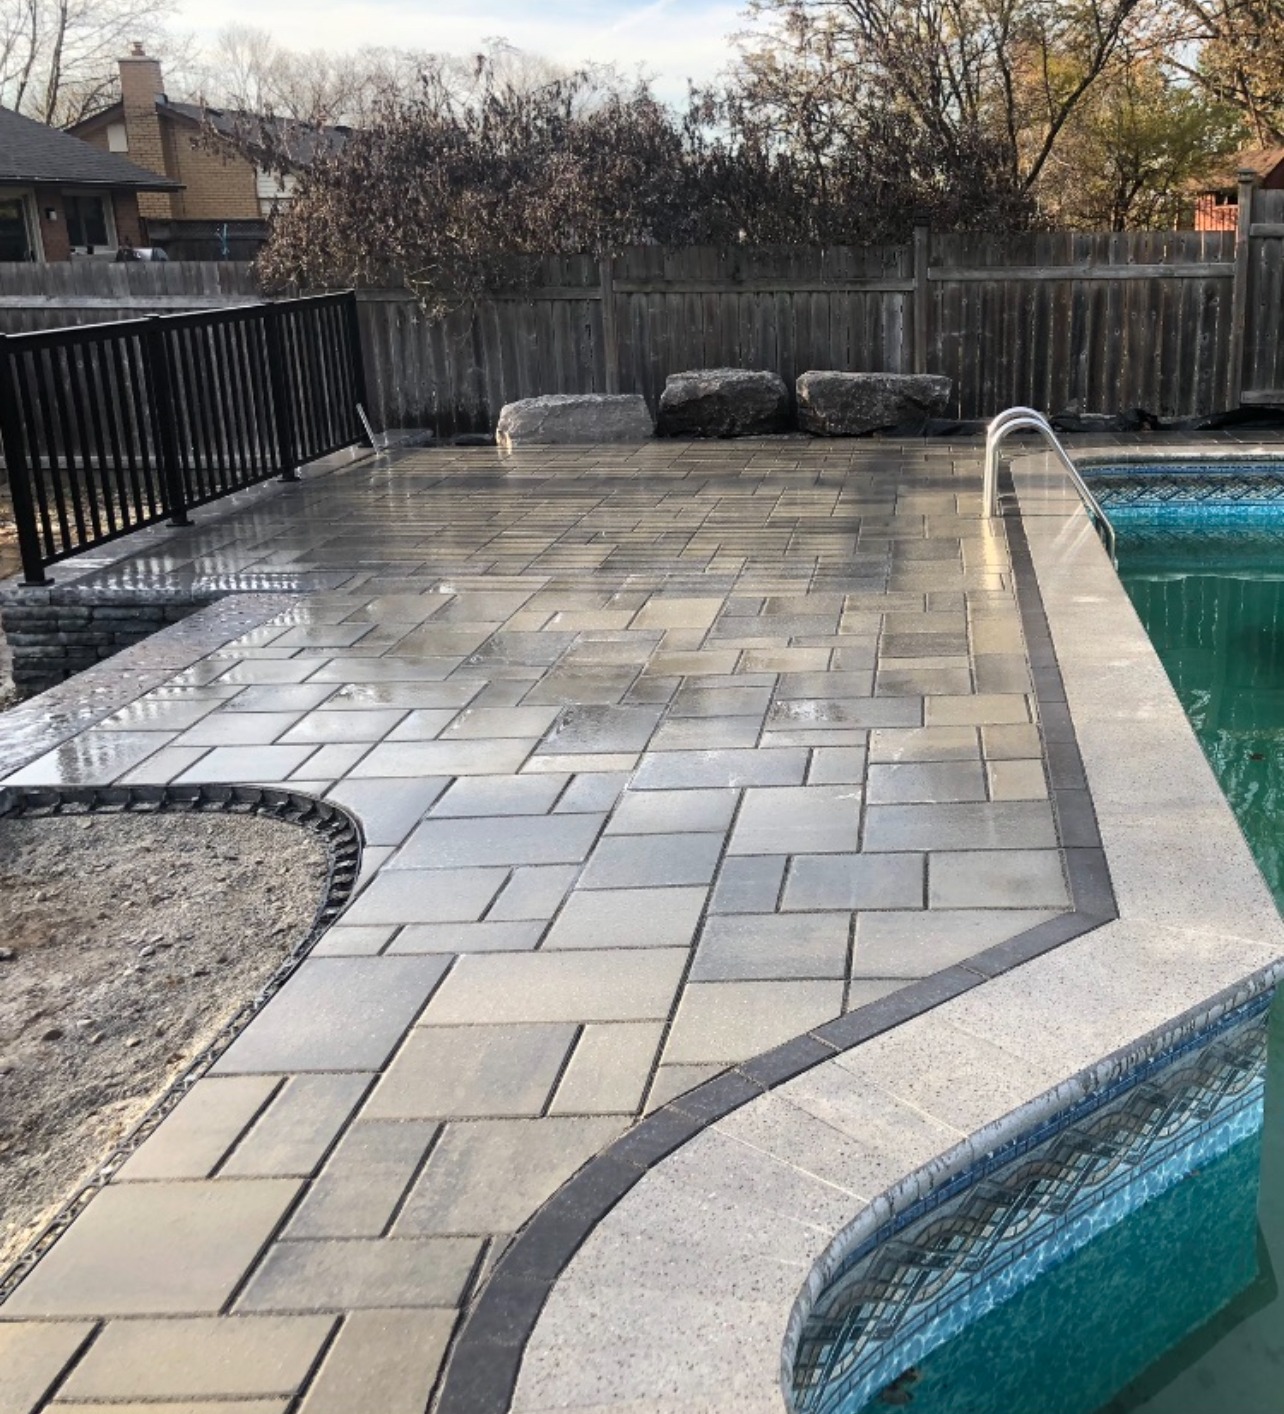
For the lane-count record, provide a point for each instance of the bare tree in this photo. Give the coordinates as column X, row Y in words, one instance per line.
column 58, row 57
column 1234, row 51
column 1007, row 74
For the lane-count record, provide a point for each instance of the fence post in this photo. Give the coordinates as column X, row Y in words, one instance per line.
column 161, row 411
column 360, row 390
column 15, row 459
column 1239, row 297
column 287, row 459
column 922, row 242
column 610, row 334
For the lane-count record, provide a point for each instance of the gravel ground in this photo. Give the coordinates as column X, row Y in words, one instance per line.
column 126, row 941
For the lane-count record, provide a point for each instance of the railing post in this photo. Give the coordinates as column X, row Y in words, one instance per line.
column 1239, row 297
column 360, row 391
column 20, row 473
column 922, row 252
column 610, row 333
column 287, row 459
column 161, row 410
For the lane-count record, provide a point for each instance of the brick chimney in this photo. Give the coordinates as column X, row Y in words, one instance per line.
column 141, row 87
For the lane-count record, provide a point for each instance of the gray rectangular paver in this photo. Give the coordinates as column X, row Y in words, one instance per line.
column 707, row 733
column 726, row 1022
column 199, row 1358
column 910, row 744
column 628, row 918
column 388, row 809
column 686, row 770
column 1010, row 878
column 381, row 1360
column 490, row 723
column 445, row 758
column 848, row 881
column 426, row 896
column 746, row 947
column 1001, row 825
column 641, row 861
column 247, row 763
column 591, row 791
column 156, row 1249
column 357, row 1192
column 901, row 945
column 748, row 884
column 335, row 1013
column 201, row 1129
column 327, row 727
column 601, row 729
column 611, row 985
column 672, row 812
column 798, row 820
column 362, row 1274
column 466, row 844
column 981, row 709
column 821, row 713
column 293, row 1133
column 473, row 1072
column 500, row 795
column 925, row 781
column 609, row 1069
column 490, row 1176
column 33, row 1354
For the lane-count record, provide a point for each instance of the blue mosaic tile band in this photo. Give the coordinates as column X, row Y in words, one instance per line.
column 990, row 1235
column 1177, row 486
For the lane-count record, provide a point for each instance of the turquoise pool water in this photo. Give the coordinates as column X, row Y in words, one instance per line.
column 1174, row 1307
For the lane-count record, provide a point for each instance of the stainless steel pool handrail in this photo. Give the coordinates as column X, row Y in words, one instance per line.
column 1022, row 419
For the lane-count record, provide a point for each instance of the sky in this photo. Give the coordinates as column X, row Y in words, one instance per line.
column 671, row 40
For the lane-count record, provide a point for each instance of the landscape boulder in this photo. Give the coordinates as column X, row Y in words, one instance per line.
column 567, row 418
column 832, row 404
column 723, row 402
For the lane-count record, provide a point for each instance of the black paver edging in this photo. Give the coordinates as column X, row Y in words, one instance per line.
column 337, row 828
column 482, row 1370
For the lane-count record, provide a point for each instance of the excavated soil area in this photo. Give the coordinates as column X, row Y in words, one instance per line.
column 126, row 943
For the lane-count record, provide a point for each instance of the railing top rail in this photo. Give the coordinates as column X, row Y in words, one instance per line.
column 74, row 334
column 1021, row 419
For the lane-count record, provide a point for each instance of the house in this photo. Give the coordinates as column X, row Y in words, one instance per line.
column 1217, row 204
column 60, row 198
column 225, row 201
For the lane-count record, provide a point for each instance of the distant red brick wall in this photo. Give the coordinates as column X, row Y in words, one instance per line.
column 53, row 233
column 1212, row 216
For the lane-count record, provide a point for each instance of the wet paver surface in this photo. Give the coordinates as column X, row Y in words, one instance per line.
column 662, row 756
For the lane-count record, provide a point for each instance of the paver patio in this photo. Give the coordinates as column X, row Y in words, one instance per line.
column 662, row 756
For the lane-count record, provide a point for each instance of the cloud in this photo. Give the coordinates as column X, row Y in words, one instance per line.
column 672, row 42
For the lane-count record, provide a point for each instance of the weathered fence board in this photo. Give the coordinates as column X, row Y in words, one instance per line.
column 1057, row 320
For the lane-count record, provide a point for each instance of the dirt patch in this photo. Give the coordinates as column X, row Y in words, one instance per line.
column 126, row 942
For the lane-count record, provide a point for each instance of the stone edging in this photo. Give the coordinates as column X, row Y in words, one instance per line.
column 483, row 1366
column 342, row 836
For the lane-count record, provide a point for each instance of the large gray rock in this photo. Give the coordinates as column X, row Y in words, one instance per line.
column 564, row 418
column 723, row 402
column 832, row 404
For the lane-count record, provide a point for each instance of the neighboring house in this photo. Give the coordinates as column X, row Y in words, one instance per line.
column 1217, row 205
column 225, row 202
column 60, row 198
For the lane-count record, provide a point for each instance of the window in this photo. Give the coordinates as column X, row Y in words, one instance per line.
column 117, row 138
column 89, row 224
column 16, row 235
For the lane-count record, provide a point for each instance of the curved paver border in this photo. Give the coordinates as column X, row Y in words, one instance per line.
column 483, row 1368
column 335, row 825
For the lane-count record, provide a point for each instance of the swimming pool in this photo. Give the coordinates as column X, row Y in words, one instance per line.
column 1153, row 1290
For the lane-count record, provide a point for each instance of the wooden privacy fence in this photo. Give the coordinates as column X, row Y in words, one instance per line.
column 1180, row 323
column 109, row 427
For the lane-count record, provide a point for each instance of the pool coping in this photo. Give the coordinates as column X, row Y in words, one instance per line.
column 539, row 1281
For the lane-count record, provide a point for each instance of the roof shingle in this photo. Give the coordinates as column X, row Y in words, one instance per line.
column 32, row 152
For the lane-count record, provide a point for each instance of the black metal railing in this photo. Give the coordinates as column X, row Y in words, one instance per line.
column 110, row 427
